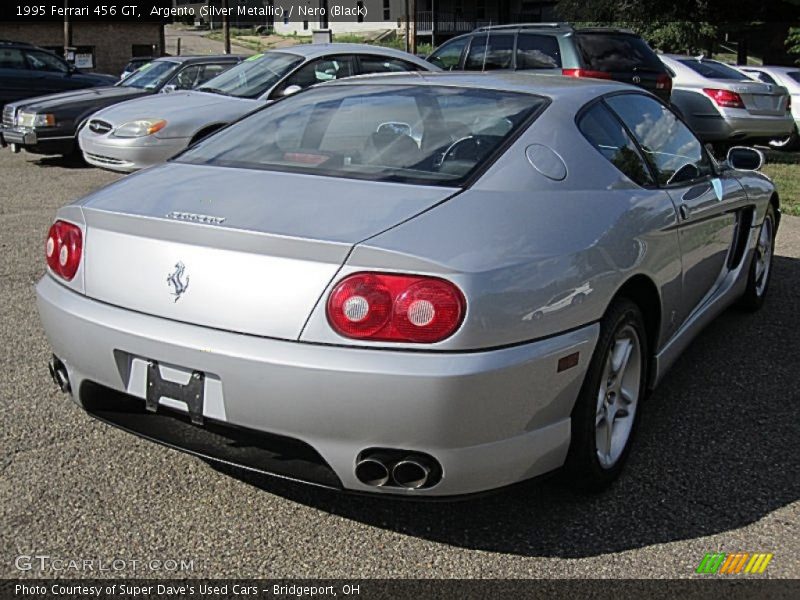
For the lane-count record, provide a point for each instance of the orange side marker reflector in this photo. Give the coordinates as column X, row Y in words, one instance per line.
column 567, row 362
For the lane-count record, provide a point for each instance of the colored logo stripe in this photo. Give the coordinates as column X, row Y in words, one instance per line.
column 736, row 563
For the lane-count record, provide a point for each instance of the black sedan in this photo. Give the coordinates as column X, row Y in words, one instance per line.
column 49, row 124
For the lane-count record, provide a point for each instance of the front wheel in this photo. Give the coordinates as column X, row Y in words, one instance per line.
column 606, row 412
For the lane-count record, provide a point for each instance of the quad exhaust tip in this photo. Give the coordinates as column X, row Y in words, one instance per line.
column 398, row 469
column 58, row 371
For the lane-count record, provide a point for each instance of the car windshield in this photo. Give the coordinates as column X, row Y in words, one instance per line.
column 411, row 134
column 151, row 76
column 712, row 69
column 794, row 75
column 612, row 52
column 254, row 76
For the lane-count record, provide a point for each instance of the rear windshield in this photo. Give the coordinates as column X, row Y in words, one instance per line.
column 612, row 52
column 713, row 69
column 411, row 134
column 151, row 75
column 254, row 76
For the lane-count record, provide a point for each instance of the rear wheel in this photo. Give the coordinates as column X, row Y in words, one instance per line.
column 606, row 413
column 761, row 265
column 789, row 143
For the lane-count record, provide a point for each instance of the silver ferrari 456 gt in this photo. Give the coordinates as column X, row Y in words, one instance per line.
column 340, row 289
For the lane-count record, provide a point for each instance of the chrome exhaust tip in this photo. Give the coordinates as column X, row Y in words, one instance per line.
column 59, row 374
column 411, row 473
column 372, row 471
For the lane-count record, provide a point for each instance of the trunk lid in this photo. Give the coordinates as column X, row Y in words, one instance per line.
column 759, row 98
column 241, row 250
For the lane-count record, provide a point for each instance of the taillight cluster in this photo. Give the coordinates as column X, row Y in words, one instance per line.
column 585, row 73
column 395, row 308
column 724, row 98
column 64, row 248
column 664, row 82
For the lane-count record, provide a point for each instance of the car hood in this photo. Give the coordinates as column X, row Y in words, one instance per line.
column 95, row 78
column 178, row 105
column 253, row 250
column 82, row 97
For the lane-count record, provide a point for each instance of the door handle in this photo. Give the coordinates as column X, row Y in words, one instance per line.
column 685, row 211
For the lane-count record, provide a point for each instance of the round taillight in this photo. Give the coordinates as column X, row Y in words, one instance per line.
column 63, row 249
column 395, row 308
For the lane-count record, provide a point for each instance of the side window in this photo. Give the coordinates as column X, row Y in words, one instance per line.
column 41, row 61
column 448, row 56
column 381, row 64
column 185, row 80
column 490, row 52
column 208, row 72
column 609, row 137
column 323, row 69
column 11, row 58
column 669, row 146
column 538, row 52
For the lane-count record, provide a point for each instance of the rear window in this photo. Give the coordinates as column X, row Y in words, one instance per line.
column 612, row 52
column 488, row 53
column 712, row 69
column 794, row 75
column 538, row 52
column 412, row 134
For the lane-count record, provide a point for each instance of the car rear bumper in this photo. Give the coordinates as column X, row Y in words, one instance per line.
column 724, row 128
column 489, row 418
column 128, row 154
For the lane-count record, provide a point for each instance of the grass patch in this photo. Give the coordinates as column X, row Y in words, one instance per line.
column 787, row 180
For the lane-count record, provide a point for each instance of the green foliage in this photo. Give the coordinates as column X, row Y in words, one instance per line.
column 793, row 43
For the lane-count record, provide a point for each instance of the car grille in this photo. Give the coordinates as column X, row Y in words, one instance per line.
column 98, row 126
column 8, row 116
column 106, row 160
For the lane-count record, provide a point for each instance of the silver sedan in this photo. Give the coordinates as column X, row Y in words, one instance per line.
column 340, row 289
column 724, row 105
column 144, row 132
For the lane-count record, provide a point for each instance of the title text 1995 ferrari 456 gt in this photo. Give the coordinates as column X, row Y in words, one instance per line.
column 339, row 289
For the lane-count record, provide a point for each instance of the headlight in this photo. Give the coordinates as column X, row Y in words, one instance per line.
column 140, row 128
column 28, row 119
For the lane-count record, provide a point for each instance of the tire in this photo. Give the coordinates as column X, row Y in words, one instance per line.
column 760, row 271
column 787, row 144
column 595, row 458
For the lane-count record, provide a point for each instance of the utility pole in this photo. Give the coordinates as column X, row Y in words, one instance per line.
column 413, row 18
column 226, row 27
column 408, row 27
column 67, row 30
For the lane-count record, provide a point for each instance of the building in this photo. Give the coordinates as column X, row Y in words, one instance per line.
column 439, row 20
column 104, row 47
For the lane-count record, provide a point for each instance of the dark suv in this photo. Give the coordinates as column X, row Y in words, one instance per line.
column 558, row 48
column 27, row 71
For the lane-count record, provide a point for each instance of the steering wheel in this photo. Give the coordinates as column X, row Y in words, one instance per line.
column 459, row 145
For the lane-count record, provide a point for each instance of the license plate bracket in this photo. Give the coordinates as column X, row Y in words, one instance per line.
column 191, row 393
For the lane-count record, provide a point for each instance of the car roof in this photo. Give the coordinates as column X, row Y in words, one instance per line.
column 768, row 68
column 198, row 58
column 553, row 86
column 317, row 50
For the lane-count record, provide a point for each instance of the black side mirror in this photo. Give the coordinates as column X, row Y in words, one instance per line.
column 745, row 159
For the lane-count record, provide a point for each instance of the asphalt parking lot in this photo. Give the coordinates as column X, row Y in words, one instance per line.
column 715, row 466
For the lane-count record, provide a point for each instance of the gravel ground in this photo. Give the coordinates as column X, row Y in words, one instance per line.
column 715, row 466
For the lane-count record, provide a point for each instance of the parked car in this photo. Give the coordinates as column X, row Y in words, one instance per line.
column 332, row 289
column 724, row 106
column 134, row 64
column 50, row 124
column 27, row 71
column 560, row 49
column 788, row 77
column 148, row 131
